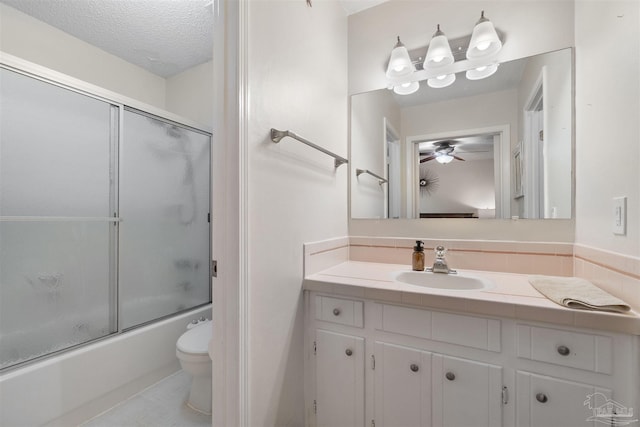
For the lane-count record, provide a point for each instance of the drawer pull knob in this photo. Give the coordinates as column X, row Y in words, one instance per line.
column 336, row 312
column 564, row 350
column 348, row 352
column 541, row 397
column 450, row 376
column 414, row 367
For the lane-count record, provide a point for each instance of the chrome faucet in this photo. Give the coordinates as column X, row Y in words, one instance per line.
column 440, row 264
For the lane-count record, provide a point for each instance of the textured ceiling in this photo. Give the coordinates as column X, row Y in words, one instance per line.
column 164, row 37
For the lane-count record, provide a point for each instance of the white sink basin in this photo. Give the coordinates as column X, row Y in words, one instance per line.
column 454, row 282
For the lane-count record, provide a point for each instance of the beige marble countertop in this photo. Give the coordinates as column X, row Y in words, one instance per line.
column 511, row 296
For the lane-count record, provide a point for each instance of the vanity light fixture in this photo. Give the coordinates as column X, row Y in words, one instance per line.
column 441, row 81
column 444, row 158
column 482, row 72
column 439, row 51
column 484, row 40
column 400, row 63
column 439, row 60
column 406, row 88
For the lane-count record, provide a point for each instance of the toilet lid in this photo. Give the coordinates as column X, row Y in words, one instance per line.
column 196, row 340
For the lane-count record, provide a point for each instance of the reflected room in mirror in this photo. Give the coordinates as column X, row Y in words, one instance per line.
column 500, row 147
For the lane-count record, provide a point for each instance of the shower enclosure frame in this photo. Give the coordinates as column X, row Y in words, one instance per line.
column 122, row 104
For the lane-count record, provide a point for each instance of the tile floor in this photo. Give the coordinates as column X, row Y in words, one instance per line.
column 161, row 405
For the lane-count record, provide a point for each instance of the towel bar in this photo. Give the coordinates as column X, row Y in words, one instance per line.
column 381, row 180
column 277, row 135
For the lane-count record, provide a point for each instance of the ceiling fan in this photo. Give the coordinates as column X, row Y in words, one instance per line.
column 443, row 152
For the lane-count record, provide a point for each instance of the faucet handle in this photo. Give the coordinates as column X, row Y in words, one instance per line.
column 440, row 250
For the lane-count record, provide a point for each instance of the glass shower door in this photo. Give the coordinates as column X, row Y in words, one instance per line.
column 57, row 231
column 164, row 206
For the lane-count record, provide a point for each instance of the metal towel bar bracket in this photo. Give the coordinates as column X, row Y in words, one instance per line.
column 277, row 135
column 381, row 180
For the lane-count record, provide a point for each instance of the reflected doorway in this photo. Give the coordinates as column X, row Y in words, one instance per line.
column 460, row 174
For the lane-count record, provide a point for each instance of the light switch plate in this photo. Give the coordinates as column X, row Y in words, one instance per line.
column 620, row 215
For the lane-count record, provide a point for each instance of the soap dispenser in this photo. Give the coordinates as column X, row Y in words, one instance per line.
column 417, row 263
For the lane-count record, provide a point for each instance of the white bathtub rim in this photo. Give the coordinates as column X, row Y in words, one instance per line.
column 54, row 358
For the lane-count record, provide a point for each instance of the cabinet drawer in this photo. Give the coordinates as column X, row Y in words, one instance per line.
column 566, row 348
column 470, row 331
column 543, row 401
column 337, row 310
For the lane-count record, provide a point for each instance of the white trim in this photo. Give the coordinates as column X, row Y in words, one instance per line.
column 39, row 72
column 532, row 156
column 503, row 172
column 229, row 344
column 243, row 142
column 389, row 133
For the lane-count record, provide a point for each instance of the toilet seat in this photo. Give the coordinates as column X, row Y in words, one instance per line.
column 196, row 340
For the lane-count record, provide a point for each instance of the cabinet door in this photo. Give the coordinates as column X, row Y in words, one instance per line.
column 466, row 393
column 402, row 386
column 545, row 401
column 339, row 379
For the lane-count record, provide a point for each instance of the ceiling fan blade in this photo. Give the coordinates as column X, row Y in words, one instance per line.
column 426, row 159
column 458, row 158
column 473, row 151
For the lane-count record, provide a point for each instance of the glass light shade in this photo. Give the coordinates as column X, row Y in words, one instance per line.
column 439, row 52
column 407, row 88
column 484, row 40
column 482, row 72
column 441, row 81
column 399, row 63
column 444, row 159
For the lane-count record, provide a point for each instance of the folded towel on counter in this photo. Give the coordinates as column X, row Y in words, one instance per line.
column 574, row 292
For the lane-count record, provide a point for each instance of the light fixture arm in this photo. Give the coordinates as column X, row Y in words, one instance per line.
column 482, row 18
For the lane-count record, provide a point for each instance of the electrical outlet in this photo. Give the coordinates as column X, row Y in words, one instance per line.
column 620, row 215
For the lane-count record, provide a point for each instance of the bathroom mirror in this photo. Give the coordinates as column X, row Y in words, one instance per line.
column 499, row 147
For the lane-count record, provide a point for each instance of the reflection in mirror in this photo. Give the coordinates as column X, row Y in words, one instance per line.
column 499, row 147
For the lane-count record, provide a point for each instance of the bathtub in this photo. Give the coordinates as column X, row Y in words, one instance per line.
column 81, row 383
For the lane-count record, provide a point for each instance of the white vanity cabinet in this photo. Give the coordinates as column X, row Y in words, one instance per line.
column 568, row 376
column 339, row 379
column 378, row 364
column 466, row 393
column 544, row 401
column 339, row 362
column 402, row 386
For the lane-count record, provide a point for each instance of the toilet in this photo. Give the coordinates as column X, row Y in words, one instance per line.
column 192, row 351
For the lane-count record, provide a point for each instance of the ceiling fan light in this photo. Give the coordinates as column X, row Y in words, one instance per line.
column 484, row 40
column 439, row 51
column 399, row 62
column 406, row 88
column 441, row 81
column 482, row 72
column 444, row 158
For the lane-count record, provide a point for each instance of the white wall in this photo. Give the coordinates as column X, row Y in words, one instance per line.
column 368, row 145
column 607, row 124
column 190, row 93
column 463, row 187
column 372, row 33
column 372, row 36
column 296, row 80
